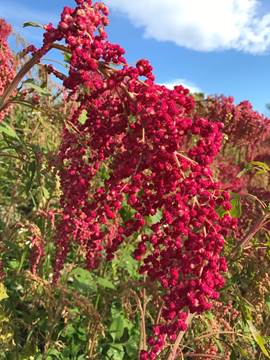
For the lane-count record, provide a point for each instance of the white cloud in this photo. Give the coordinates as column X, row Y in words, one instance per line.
column 187, row 84
column 203, row 25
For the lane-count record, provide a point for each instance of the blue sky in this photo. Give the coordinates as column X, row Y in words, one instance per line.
column 216, row 49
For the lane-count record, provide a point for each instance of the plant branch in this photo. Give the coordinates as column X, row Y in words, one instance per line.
column 173, row 353
column 257, row 227
column 24, row 70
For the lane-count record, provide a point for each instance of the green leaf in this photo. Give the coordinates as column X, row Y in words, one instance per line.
column 117, row 328
column 220, row 211
column 67, row 57
column 233, row 355
column 230, row 281
column 236, row 210
column 69, row 330
column 14, row 264
column 31, row 173
column 267, row 303
column 28, row 352
column 40, row 90
column 243, row 352
column 105, row 283
column 132, row 119
column 245, row 309
column 130, row 265
column 132, row 344
column 154, row 219
column 81, row 333
column 258, row 338
column 126, row 212
column 125, row 261
column 104, row 173
column 3, row 292
column 83, row 117
column 261, row 165
column 46, row 193
column 33, row 24
column 116, row 352
column 83, row 280
column 209, row 315
column 258, row 166
column 54, row 352
column 82, row 275
column 9, row 131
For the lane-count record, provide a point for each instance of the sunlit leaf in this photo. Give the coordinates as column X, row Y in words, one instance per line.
column 236, row 210
column 83, row 117
column 3, row 292
column 32, row 24
column 8, row 130
column 40, row 90
column 258, row 338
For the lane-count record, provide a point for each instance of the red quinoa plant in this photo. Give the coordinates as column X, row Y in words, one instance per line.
column 7, row 68
column 139, row 167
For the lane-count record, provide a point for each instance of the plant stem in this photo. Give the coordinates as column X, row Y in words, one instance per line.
column 195, row 355
column 142, row 307
column 173, row 353
column 24, row 70
column 257, row 227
